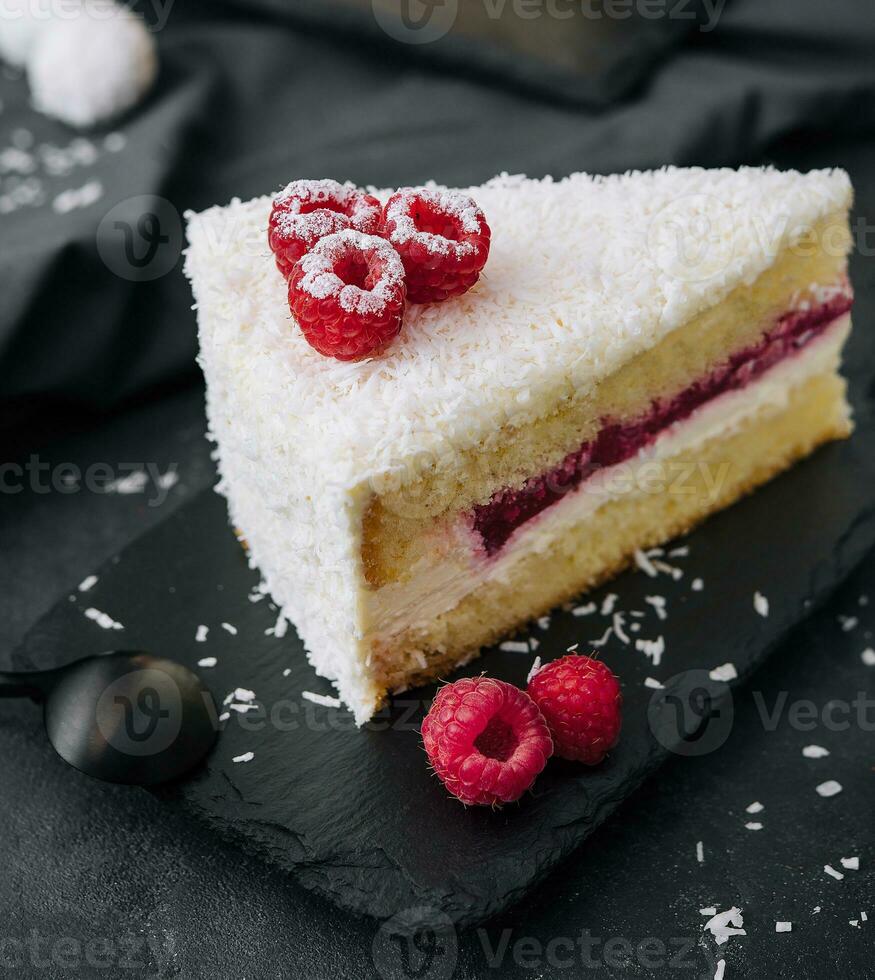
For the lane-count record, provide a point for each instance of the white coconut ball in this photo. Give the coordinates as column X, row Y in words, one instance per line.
column 20, row 23
column 86, row 68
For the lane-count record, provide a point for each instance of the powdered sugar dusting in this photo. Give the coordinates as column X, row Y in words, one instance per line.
column 321, row 281
column 460, row 206
column 316, row 192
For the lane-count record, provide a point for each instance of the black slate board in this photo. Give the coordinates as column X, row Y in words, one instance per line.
column 355, row 815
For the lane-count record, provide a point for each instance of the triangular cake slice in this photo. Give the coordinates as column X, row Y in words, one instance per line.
column 640, row 351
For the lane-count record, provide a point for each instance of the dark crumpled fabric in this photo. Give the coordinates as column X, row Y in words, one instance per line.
column 94, row 306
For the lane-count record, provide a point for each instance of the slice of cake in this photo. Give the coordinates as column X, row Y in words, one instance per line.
column 639, row 352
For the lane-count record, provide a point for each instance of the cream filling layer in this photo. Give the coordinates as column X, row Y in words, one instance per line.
column 437, row 586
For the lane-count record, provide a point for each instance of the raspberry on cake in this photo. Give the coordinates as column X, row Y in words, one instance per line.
column 442, row 238
column 307, row 210
column 516, row 444
column 347, row 295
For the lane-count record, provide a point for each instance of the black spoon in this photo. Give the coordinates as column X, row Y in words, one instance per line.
column 125, row 717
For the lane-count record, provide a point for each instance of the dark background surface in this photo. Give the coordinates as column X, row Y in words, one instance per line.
column 97, row 367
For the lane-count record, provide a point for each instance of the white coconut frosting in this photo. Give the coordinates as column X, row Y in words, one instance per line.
column 583, row 274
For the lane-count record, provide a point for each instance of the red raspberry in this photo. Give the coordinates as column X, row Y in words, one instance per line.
column 308, row 210
column 486, row 740
column 581, row 700
column 347, row 295
column 442, row 238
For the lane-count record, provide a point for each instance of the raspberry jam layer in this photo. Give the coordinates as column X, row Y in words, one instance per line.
column 616, row 442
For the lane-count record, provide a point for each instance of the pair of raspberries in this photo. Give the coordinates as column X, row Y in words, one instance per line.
column 353, row 264
column 488, row 740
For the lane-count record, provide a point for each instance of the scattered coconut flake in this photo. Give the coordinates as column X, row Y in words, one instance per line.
column 658, row 603
column 725, row 672
column 514, row 646
column 586, row 610
column 697, row 585
column 711, row 910
column 756, row 807
column 676, row 573
column 854, row 922
column 246, row 757
column 287, row 671
column 114, row 142
column 168, row 480
column 753, row 825
column 572, row 648
column 720, row 972
column 681, row 552
column 725, row 925
column 224, row 716
column 653, row 684
column 132, row 483
column 848, row 623
column 323, row 699
column 239, row 694
column 609, row 603
column 534, row 643
column 852, row 863
column 207, row 662
column 103, row 620
column 830, row 788
column 783, row 927
column 653, row 649
column 815, row 752
column 620, row 628
column 544, row 622
column 831, row 871
column 761, row 604
column 700, row 852
column 536, row 666
column 282, row 626
column 201, row 635
column 815, row 910
column 864, row 917
column 645, row 564
column 868, row 657
column 88, row 583
column 603, row 639
column 228, row 628
column 78, row 197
